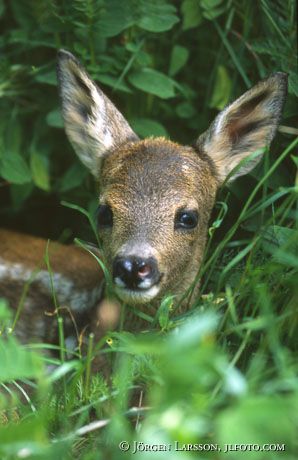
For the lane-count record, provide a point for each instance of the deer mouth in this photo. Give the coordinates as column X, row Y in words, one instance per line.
column 136, row 282
column 138, row 295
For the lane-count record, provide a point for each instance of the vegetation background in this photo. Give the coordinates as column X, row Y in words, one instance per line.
column 228, row 374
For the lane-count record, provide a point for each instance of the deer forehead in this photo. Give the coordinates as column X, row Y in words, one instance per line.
column 156, row 171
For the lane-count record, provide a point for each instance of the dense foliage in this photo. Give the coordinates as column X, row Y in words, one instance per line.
column 229, row 373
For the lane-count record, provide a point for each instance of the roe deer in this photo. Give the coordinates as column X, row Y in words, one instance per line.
column 155, row 196
column 76, row 279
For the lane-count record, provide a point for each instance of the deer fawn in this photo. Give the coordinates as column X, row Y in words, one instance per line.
column 155, row 199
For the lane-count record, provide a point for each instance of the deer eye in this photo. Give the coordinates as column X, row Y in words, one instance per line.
column 186, row 219
column 104, row 216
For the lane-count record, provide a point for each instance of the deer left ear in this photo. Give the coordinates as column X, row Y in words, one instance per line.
column 93, row 124
column 245, row 126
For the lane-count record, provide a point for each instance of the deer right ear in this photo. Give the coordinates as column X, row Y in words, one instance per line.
column 246, row 126
column 92, row 122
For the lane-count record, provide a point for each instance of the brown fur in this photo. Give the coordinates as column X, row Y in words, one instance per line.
column 71, row 261
column 145, row 183
column 24, row 256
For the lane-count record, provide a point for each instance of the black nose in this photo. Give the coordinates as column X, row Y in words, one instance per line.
column 135, row 273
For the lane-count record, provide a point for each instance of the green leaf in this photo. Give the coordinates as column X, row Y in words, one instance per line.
column 153, row 82
column 240, row 255
column 282, row 244
column 27, row 437
column 267, row 419
column 17, row 362
column 54, row 118
column 234, row 381
column 210, row 4
column 185, row 110
column 157, row 16
column 295, row 159
column 212, row 14
column 48, row 78
column 20, row 193
column 179, row 58
column 5, row 315
column 164, row 311
column 221, row 90
column 113, row 82
column 39, row 170
column 212, row 8
column 113, row 18
column 145, row 127
column 14, row 169
column 280, row 236
column 73, row 177
column 193, row 331
column 191, row 13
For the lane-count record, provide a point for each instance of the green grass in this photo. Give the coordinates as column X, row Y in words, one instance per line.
column 225, row 372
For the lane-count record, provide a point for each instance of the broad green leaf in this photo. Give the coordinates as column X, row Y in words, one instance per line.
column 144, row 59
column 212, row 14
column 145, row 127
column 73, row 177
column 111, row 81
column 14, row 169
column 267, row 419
column 54, row 118
column 179, row 58
column 116, row 16
column 17, row 362
column 40, row 172
column 13, row 136
column 153, row 82
column 157, row 16
column 212, row 8
column 280, row 236
column 192, row 15
column 48, row 77
column 25, row 439
column 282, row 243
column 222, row 89
column 193, row 331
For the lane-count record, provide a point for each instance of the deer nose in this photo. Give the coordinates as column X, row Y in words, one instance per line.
column 135, row 272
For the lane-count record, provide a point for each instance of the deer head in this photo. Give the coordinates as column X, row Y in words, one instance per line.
column 156, row 196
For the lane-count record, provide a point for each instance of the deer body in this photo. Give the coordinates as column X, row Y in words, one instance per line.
column 155, row 196
column 76, row 280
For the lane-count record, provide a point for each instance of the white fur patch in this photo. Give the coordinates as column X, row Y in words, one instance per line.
column 137, row 297
column 145, row 284
column 100, row 121
column 65, row 289
column 118, row 281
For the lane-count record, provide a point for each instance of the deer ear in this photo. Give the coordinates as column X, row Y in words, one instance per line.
column 245, row 126
column 92, row 122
